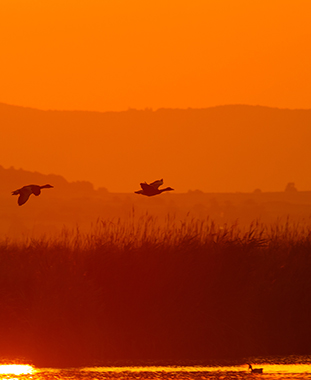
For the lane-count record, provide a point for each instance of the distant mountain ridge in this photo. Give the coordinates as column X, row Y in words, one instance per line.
column 147, row 109
column 218, row 149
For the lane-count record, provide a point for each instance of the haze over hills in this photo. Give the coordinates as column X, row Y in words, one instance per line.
column 233, row 148
column 72, row 204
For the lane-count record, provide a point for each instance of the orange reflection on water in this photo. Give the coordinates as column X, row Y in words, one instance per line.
column 268, row 369
column 16, row 369
column 286, row 368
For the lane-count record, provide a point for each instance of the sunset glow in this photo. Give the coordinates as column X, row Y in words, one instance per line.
column 16, row 369
column 114, row 55
column 118, row 57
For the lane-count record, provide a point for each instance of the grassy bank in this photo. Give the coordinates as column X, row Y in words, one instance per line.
column 135, row 290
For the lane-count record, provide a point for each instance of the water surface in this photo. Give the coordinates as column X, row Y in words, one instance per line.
column 271, row 371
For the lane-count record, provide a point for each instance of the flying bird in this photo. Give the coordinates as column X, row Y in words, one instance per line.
column 25, row 192
column 255, row 370
column 152, row 188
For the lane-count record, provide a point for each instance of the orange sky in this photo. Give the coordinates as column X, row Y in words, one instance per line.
column 112, row 55
column 118, row 54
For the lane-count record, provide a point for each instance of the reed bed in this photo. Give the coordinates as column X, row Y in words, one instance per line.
column 139, row 289
column 134, row 233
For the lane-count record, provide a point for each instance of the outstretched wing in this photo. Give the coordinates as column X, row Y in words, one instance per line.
column 145, row 186
column 149, row 190
column 156, row 184
column 23, row 198
column 24, row 193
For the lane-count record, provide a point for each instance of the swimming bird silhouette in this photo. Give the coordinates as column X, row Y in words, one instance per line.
column 152, row 188
column 25, row 192
column 255, row 370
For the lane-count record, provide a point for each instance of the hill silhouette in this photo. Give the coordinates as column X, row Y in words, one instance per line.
column 219, row 149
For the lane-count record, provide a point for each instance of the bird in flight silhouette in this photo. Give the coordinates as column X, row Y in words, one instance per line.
column 152, row 188
column 25, row 192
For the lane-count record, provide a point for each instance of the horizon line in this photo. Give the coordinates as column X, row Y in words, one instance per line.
column 150, row 109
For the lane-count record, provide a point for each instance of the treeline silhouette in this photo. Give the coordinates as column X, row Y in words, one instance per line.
column 78, row 203
column 13, row 178
column 139, row 293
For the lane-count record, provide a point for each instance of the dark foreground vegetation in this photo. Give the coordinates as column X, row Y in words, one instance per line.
column 135, row 291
